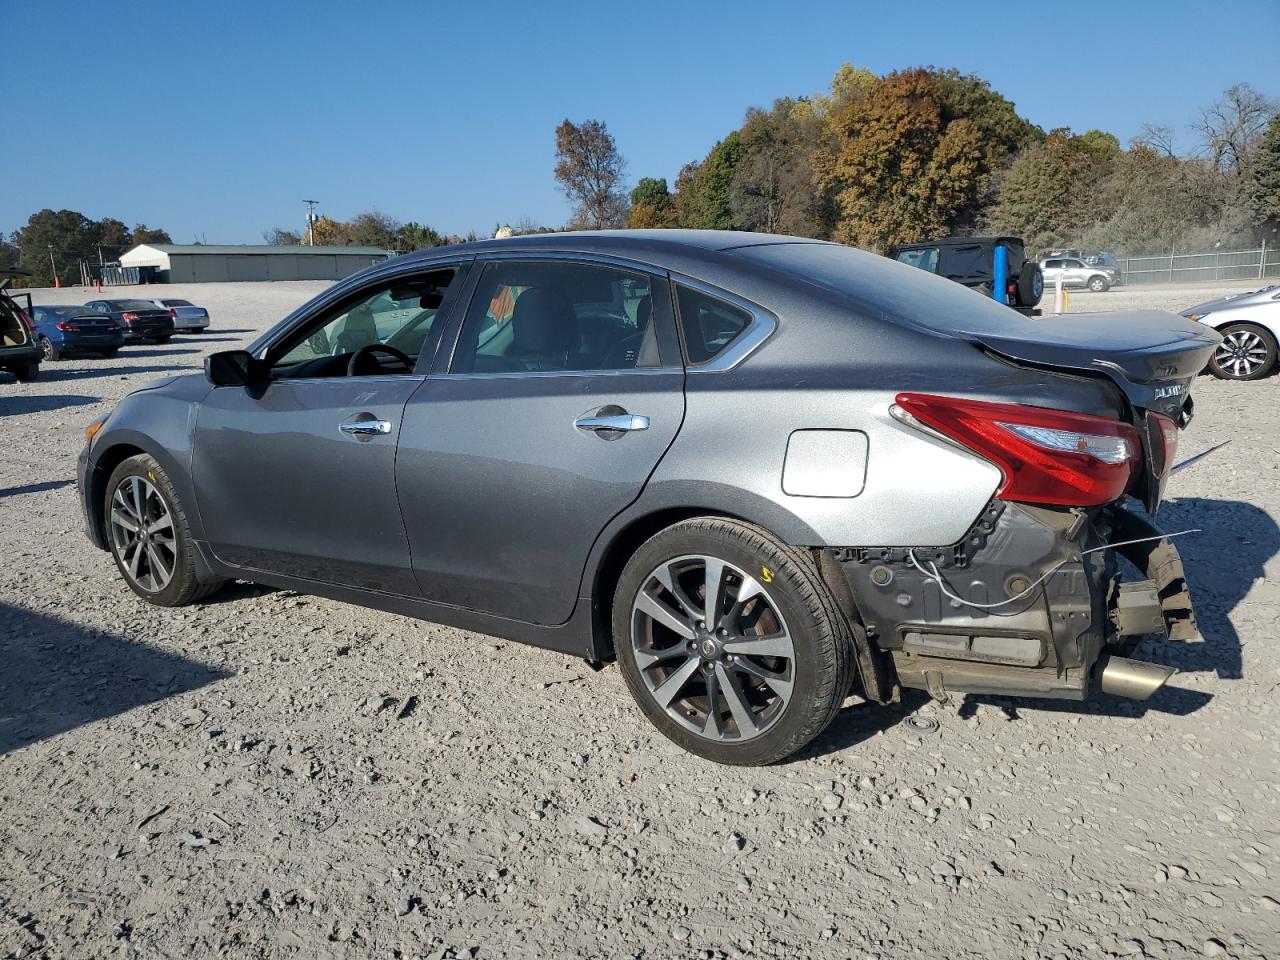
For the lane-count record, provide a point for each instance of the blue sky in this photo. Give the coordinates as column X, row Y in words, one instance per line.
column 216, row 120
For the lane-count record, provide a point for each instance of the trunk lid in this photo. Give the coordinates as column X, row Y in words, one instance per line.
column 1153, row 357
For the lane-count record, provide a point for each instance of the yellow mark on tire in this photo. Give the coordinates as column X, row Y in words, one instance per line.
column 151, row 475
column 766, row 575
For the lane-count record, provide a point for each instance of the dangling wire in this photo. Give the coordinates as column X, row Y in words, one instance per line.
column 936, row 577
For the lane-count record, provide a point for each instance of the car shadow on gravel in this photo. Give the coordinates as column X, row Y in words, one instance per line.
column 15, row 406
column 86, row 373
column 34, row 488
column 59, row 675
column 157, row 351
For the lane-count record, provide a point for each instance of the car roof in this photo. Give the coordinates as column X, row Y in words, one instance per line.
column 640, row 245
column 957, row 242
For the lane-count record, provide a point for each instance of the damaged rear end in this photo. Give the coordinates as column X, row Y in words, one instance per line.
column 1032, row 600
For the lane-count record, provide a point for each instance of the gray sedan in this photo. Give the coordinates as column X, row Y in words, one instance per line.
column 758, row 472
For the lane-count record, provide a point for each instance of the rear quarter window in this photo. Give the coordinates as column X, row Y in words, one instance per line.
column 709, row 324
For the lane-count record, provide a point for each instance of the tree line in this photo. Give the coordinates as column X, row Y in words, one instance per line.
column 59, row 241
column 921, row 153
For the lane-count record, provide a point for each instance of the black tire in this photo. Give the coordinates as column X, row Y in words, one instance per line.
column 110, row 354
column 50, row 351
column 1239, row 351
column 26, row 372
column 1030, row 284
column 1099, row 284
column 163, row 339
column 823, row 663
column 183, row 587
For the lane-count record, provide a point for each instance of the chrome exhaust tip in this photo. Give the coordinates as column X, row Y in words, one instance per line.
column 1135, row 679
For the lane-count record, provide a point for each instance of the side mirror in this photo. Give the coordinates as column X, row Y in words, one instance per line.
column 234, row 368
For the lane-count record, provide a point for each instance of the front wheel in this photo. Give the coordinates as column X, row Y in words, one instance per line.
column 1246, row 353
column 148, row 535
column 1098, row 284
column 730, row 642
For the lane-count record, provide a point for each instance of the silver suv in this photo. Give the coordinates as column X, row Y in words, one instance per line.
column 1075, row 273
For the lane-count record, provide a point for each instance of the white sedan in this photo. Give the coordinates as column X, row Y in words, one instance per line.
column 1250, row 326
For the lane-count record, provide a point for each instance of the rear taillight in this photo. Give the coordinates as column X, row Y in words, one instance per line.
column 173, row 314
column 128, row 316
column 1163, row 435
column 26, row 321
column 1047, row 456
column 64, row 326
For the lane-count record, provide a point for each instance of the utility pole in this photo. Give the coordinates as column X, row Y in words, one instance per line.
column 311, row 221
column 53, row 266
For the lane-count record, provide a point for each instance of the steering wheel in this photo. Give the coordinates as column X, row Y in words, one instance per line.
column 361, row 356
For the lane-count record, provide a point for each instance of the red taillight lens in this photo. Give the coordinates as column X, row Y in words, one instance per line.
column 173, row 314
column 128, row 316
column 63, row 325
column 26, row 321
column 1047, row 456
column 1163, row 434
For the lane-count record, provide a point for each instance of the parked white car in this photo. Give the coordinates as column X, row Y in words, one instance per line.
column 1250, row 326
column 1075, row 273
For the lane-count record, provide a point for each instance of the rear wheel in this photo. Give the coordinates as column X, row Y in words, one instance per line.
column 148, row 535
column 730, row 642
column 110, row 354
column 162, row 339
column 49, row 350
column 1098, row 284
column 26, row 372
column 1246, row 353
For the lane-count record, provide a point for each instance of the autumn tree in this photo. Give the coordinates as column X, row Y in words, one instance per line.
column 1057, row 188
column 589, row 169
column 903, row 169
column 703, row 189
column 144, row 234
column 280, row 237
column 417, row 236
column 372, row 228
column 652, row 205
column 772, row 189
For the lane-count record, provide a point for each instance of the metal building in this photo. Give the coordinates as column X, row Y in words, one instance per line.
column 208, row 263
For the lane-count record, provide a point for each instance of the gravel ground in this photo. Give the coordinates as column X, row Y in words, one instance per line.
column 277, row 775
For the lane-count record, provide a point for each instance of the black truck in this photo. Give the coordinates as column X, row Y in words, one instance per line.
column 975, row 261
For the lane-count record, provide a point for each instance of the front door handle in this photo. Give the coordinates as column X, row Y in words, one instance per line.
column 620, row 422
column 366, row 429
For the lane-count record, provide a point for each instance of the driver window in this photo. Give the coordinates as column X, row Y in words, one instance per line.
column 396, row 317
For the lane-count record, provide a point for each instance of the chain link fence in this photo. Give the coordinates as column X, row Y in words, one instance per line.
column 1219, row 265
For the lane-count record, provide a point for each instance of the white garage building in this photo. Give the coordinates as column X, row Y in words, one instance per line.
column 208, row 263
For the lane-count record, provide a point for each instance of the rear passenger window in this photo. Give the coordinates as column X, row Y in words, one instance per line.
column 709, row 323
column 546, row 317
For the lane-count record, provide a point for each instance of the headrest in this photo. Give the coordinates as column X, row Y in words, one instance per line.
column 543, row 322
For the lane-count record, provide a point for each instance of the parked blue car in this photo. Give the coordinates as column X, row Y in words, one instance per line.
column 61, row 330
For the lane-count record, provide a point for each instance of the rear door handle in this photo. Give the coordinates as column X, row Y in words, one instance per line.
column 366, row 429
column 620, row 422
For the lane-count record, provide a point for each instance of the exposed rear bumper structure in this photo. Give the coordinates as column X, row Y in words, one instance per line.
column 1030, row 603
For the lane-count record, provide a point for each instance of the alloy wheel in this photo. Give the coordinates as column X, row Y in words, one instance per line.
column 1240, row 354
column 142, row 533
column 712, row 648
